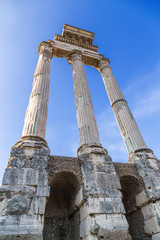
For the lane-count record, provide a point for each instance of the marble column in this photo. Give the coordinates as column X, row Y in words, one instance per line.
column 88, row 132
column 36, row 114
column 126, row 122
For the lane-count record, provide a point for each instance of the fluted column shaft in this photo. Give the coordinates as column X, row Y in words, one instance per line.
column 37, row 110
column 126, row 122
column 88, row 132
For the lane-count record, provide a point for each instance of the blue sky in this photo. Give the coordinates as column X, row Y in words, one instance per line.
column 127, row 32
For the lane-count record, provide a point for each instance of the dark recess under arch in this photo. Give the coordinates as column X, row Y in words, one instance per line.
column 61, row 217
column 131, row 186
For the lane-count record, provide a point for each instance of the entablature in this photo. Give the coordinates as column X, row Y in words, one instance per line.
column 75, row 39
column 63, row 49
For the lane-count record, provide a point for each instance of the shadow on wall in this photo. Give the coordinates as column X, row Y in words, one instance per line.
column 61, row 218
column 130, row 188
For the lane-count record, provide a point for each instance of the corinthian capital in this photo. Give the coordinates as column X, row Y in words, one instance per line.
column 103, row 62
column 45, row 49
column 74, row 55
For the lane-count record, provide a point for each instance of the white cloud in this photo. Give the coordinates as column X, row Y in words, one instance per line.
column 110, row 136
column 73, row 148
column 145, row 94
column 149, row 103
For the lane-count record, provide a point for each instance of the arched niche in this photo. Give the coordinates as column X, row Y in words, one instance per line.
column 61, row 217
column 131, row 186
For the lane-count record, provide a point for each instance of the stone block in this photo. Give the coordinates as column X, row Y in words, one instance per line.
column 39, row 205
column 152, row 181
column 37, row 163
column 141, row 199
column 30, row 224
column 36, row 203
column 43, row 178
column 28, row 191
column 2, row 196
column 30, row 151
column 113, row 235
column 113, row 193
column 32, row 177
column 20, row 176
column 90, row 237
column 18, row 236
column 156, row 236
column 16, row 162
column 16, row 205
column 9, row 225
column 108, row 181
column 147, row 211
column 85, row 226
column 111, row 221
column 152, row 225
column 43, row 191
column 79, row 198
column 105, row 205
column 83, row 212
column 147, row 195
column 6, row 177
column 103, row 221
column 151, row 210
column 42, row 206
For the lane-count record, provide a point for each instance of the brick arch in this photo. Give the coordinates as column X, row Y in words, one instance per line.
column 131, row 187
column 128, row 170
column 58, row 164
column 61, row 217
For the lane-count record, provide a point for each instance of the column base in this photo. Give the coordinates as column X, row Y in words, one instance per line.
column 91, row 148
column 141, row 154
column 32, row 138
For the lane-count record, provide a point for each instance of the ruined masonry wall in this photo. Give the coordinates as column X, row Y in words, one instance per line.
column 24, row 191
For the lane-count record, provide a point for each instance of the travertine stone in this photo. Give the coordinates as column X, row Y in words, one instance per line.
column 36, row 114
column 88, row 132
column 102, row 213
column 25, row 190
column 149, row 199
column 126, row 122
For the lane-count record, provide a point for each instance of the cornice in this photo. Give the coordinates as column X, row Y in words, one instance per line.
column 63, row 49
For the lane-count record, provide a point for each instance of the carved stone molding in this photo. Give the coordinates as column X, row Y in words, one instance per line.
column 74, row 55
column 91, row 148
column 46, row 49
column 103, row 62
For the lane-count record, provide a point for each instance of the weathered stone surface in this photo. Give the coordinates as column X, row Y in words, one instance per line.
column 88, row 198
column 103, row 209
column 21, row 183
column 113, row 235
column 17, row 205
column 22, row 237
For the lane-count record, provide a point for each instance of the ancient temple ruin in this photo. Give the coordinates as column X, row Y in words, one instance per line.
column 87, row 197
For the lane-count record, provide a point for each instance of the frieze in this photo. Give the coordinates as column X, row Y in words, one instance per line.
column 77, row 43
